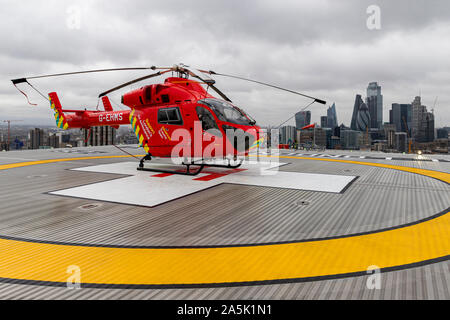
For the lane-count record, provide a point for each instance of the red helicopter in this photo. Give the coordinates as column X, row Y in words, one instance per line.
column 175, row 119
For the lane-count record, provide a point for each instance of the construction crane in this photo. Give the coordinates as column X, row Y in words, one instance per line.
column 434, row 105
column 9, row 132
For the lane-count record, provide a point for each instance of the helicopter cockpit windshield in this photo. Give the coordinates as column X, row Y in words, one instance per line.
column 228, row 113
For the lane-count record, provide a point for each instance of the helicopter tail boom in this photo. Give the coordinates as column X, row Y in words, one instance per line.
column 70, row 119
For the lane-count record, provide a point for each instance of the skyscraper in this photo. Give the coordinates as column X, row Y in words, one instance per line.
column 422, row 124
column 429, row 127
column 375, row 104
column 36, row 138
column 332, row 117
column 372, row 105
column 401, row 115
column 358, row 102
column 287, row 135
column 324, row 122
column 100, row 136
column 363, row 118
column 302, row 119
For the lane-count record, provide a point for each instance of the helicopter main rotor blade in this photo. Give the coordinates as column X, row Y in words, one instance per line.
column 220, row 93
column 265, row 84
column 16, row 81
column 209, row 81
column 133, row 81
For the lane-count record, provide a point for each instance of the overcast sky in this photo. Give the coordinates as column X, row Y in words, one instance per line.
column 323, row 48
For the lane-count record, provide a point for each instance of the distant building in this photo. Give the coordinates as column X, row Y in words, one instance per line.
column 100, row 136
column 324, row 122
column 363, row 118
column 53, row 140
column 389, row 133
column 428, row 125
column 335, row 143
column 320, row 137
column 442, row 133
column 287, row 135
column 314, row 136
column 372, row 105
column 374, row 102
column 358, row 103
column 332, row 116
column 350, row 139
column 401, row 116
column 391, row 139
column 302, row 119
column 64, row 138
column 401, row 141
column 364, row 140
column 16, row 144
column 328, row 135
column 337, row 132
column 36, row 138
column 422, row 124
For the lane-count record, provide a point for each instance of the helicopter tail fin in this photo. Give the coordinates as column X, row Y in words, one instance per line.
column 108, row 107
column 60, row 119
column 107, row 104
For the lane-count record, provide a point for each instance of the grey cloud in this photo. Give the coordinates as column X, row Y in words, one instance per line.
column 320, row 47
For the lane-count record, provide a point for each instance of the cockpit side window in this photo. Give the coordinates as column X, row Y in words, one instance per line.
column 208, row 122
column 227, row 112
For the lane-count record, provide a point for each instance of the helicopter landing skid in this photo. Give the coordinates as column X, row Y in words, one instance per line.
column 229, row 165
column 188, row 172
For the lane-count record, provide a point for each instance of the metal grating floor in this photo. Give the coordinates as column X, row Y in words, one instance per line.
column 225, row 215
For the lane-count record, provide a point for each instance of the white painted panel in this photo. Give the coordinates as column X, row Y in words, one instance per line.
column 146, row 189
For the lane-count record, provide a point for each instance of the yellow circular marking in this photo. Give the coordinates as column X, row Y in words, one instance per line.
column 33, row 163
column 411, row 244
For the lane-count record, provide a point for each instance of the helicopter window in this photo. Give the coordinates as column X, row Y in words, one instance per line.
column 169, row 116
column 207, row 119
column 227, row 112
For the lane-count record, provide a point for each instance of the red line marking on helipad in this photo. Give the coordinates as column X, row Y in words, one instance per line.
column 210, row 174
column 215, row 175
column 161, row 175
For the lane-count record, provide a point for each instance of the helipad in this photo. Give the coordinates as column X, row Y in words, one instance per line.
column 311, row 230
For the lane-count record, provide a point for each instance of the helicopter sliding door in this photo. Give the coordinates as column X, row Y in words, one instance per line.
column 169, row 119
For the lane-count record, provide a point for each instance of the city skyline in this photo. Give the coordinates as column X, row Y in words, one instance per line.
column 315, row 116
